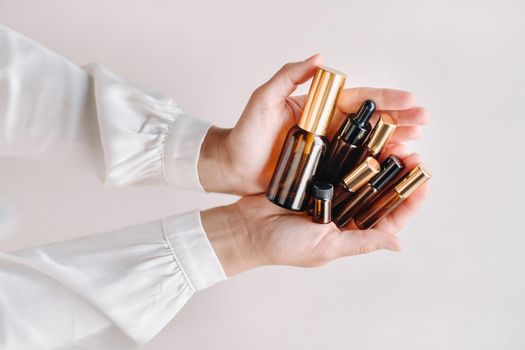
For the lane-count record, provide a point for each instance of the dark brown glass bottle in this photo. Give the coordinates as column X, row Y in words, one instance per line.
column 306, row 143
column 346, row 145
column 322, row 194
column 378, row 138
column 345, row 211
column 356, row 179
column 385, row 204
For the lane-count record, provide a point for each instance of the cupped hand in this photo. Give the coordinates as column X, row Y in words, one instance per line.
column 254, row 232
column 241, row 160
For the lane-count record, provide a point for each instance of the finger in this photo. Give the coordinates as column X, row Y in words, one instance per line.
column 352, row 242
column 412, row 116
column 399, row 218
column 398, row 149
column 405, row 133
column 385, row 99
column 286, row 80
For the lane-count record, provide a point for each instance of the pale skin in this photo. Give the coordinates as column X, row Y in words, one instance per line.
column 252, row 231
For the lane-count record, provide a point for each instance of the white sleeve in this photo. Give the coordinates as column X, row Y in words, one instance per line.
column 110, row 290
column 53, row 110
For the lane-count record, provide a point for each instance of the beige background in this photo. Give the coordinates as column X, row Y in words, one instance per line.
column 460, row 281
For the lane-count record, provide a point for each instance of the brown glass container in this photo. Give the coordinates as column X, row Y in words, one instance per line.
column 356, row 179
column 392, row 198
column 306, row 143
column 323, row 193
column 296, row 169
column 347, row 143
column 345, row 211
column 378, row 138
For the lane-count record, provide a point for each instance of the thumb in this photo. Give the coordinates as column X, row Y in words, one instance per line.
column 354, row 242
column 292, row 74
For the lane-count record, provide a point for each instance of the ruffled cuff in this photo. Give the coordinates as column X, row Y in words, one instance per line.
column 145, row 135
column 137, row 277
column 193, row 250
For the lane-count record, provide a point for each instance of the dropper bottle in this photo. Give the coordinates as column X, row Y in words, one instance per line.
column 346, row 145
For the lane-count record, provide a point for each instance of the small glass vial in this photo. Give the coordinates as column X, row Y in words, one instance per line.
column 322, row 193
column 385, row 204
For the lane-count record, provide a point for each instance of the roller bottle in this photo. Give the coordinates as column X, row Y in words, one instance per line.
column 345, row 211
column 389, row 201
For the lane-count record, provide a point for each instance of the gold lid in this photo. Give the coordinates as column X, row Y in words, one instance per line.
column 382, row 131
column 321, row 100
column 411, row 181
column 361, row 174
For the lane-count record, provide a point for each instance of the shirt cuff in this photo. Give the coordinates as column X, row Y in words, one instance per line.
column 192, row 250
column 181, row 152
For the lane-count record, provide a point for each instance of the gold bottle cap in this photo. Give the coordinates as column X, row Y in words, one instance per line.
column 382, row 131
column 411, row 181
column 361, row 174
column 321, row 100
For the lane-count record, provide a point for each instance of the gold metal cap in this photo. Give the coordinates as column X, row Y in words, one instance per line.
column 382, row 131
column 411, row 181
column 360, row 175
column 321, row 100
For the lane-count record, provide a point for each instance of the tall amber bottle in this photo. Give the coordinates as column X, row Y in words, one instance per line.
column 346, row 145
column 306, row 143
column 393, row 198
column 345, row 211
column 378, row 138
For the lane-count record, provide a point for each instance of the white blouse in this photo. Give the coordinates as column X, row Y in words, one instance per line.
column 109, row 290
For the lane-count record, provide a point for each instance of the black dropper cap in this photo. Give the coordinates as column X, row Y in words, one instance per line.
column 356, row 129
column 389, row 170
column 323, row 190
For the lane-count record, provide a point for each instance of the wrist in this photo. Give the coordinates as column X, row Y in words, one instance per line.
column 214, row 161
column 228, row 235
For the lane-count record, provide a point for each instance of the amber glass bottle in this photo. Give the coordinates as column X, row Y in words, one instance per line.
column 346, row 145
column 381, row 207
column 378, row 138
column 356, row 179
column 346, row 210
column 322, row 193
column 306, row 144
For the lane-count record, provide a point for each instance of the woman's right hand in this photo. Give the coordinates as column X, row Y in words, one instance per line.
column 241, row 160
column 254, row 232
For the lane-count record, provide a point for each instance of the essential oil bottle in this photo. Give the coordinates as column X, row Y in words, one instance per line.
column 356, row 179
column 386, row 203
column 345, row 211
column 322, row 194
column 346, row 144
column 306, row 143
column 378, row 137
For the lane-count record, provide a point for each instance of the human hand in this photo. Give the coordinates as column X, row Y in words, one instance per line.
column 241, row 160
column 254, row 232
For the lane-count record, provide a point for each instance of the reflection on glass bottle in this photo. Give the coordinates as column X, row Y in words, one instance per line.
column 306, row 144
